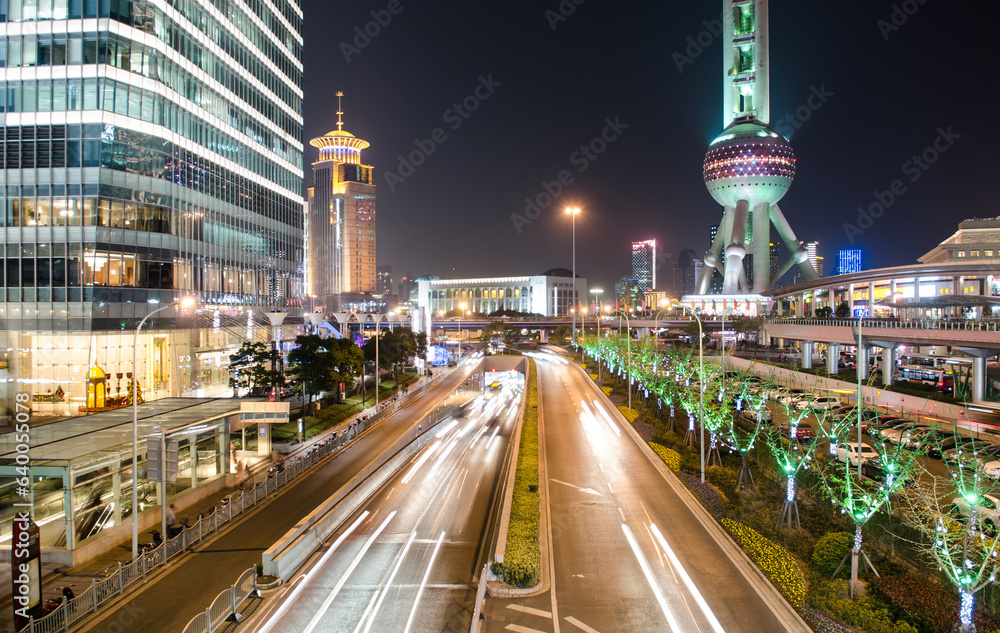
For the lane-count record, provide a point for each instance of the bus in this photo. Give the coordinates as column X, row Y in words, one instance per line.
column 942, row 378
column 935, row 361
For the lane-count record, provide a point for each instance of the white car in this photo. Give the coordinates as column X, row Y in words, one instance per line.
column 902, row 433
column 818, row 403
column 987, row 514
column 790, row 396
column 848, row 453
column 992, row 469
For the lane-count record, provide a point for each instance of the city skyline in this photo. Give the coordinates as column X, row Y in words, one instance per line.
column 634, row 180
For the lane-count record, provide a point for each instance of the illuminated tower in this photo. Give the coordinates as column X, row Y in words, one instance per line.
column 341, row 222
column 750, row 166
column 644, row 264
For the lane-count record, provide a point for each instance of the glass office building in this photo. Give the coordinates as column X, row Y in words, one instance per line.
column 151, row 150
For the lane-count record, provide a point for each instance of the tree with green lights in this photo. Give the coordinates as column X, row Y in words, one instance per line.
column 792, row 455
column 742, row 432
column 958, row 538
column 857, row 496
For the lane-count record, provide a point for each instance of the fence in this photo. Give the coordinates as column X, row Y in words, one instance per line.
column 226, row 605
column 103, row 590
column 967, row 325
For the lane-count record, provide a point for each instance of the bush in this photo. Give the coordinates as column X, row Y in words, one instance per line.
column 722, row 477
column 926, row 603
column 774, row 560
column 669, row 456
column 708, row 495
column 630, row 414
column 593, row 377
column 830, row 551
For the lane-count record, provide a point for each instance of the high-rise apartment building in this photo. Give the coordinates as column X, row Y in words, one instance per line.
column 151, row 151
column 644, row 264
column 849, row 260
column 775, row 263
column 686, row 272
column 342, row 223
column 383, row 280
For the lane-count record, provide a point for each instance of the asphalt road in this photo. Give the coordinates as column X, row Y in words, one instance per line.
column 406, row 561
column 626, row 552
column 189, row 586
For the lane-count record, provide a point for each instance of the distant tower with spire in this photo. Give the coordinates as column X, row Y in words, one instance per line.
column 340, row 231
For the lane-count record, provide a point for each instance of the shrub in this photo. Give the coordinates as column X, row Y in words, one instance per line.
column 926, row 603
column 774, row 560
column 593, row 377
column 830, row 551
column 722, row 477
column 606, row 389
column 630, row 414
column 710, row 497
column 821, row 623
column 669, row 456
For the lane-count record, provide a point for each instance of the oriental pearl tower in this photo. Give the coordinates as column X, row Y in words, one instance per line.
column 750, row 166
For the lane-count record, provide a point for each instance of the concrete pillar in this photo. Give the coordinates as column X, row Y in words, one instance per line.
column 807, row 354
column 871, row 299
column 979, row 371
column 800, row 306
column 832, row 358
column 850, row 298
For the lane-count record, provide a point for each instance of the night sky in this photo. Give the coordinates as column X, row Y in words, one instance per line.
column 888, row 90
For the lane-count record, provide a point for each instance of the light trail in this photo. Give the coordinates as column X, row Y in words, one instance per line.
column 651, row 580
column 687, row 580
column 423, row 583
column 388, row 585
column 421, row 461
column 343, row 579
column 312, row 572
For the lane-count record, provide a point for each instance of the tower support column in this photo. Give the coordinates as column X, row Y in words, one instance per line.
column 761, row 249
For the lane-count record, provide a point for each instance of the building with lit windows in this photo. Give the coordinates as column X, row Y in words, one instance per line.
column 849, row 261
column 342, row 224
column 151, row 151
column 548, row 294
column 644, row 264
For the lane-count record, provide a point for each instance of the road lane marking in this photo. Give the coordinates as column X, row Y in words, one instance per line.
column 622, row 513
column 610, row 487
column 343, row 579
column 530, row 611
column 601, row 466
column 580, row 625
column 589, row 491
column 423, row 583
column 388, row 583
column 676, row 563
column 671, row 621
column 305, row 581
column 517, row 628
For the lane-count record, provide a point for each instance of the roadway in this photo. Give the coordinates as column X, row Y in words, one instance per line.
column 626, row 550
column 188, row 587
column 406, row 560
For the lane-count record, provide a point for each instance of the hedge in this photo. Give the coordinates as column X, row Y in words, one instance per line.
column 630, row 414
column 830, row 550
column 774, row 560
column 522, row 560
column 669, row 456
column 927, row 603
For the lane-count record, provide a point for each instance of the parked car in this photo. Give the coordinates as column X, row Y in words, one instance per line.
column 972, row 455
column 789, row 396
column 992, row 469
column 823, row 402
column 895, row 433
column 803, row 432
column 937, row 451
column 750, row 415
column 874, row 469
column 931, row 438
column 987, row 515
column 850, row 453
column 888, row 422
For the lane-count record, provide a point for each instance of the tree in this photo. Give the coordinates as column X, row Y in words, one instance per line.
column 323, row 363
column 843, row 310
column 824, row 312
column 747, row 326
column 692, row 329
column 251, row 368
column 561, row 334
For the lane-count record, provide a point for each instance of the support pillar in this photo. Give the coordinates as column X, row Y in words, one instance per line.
column 832, row 358
column 979, row 372
column 807, row 354
column 799, row 307
column 871, row 299
column 850, row 299
column 888, row 360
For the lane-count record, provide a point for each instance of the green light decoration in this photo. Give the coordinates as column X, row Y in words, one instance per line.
column 742, row 432
column 959, row 537
column 792, row 456
column 859, row 497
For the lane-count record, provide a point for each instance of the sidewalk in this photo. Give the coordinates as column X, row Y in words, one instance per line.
column 55, row 576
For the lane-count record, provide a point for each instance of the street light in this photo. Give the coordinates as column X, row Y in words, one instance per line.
column 461, row 311
column 597, row 292
column 186, row 302
column 628, row 352
column 377, row 337
column 574, row 211
column 701, row 385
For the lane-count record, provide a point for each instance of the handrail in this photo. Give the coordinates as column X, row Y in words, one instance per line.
column 128, row 574
column 965, row 325
column 226, row 605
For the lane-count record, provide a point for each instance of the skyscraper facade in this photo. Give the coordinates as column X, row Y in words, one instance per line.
column 383, row 280
column 342, row 223
column 151, row 151
column 686, row 272
column 849, row 260
column 644, row 264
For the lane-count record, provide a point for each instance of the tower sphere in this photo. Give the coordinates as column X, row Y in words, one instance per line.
column 749, row 161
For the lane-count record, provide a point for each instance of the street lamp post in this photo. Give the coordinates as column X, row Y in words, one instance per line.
column 597, row 292
column 377, row 337
column 628, row 352
column 461, row 311
column 574, row 211
column 701, row 386
column 186, row 302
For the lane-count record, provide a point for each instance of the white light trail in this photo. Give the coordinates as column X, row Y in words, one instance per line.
column 442, row 457
column 493, row 437
column 420, row 462
column 312, row 572
column 343, row 579
column 687, row 580
column 607, row 418
column 446, row 428
column 651, row 580
column 388, row 584
column 423, row 583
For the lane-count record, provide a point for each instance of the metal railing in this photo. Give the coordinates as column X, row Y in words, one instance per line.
column 104, row 590
column 965, row 325
column 226, row 605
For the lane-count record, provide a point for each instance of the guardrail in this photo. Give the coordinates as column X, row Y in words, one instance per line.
column 232, row 507
column 226, row 605
column 966, row 325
